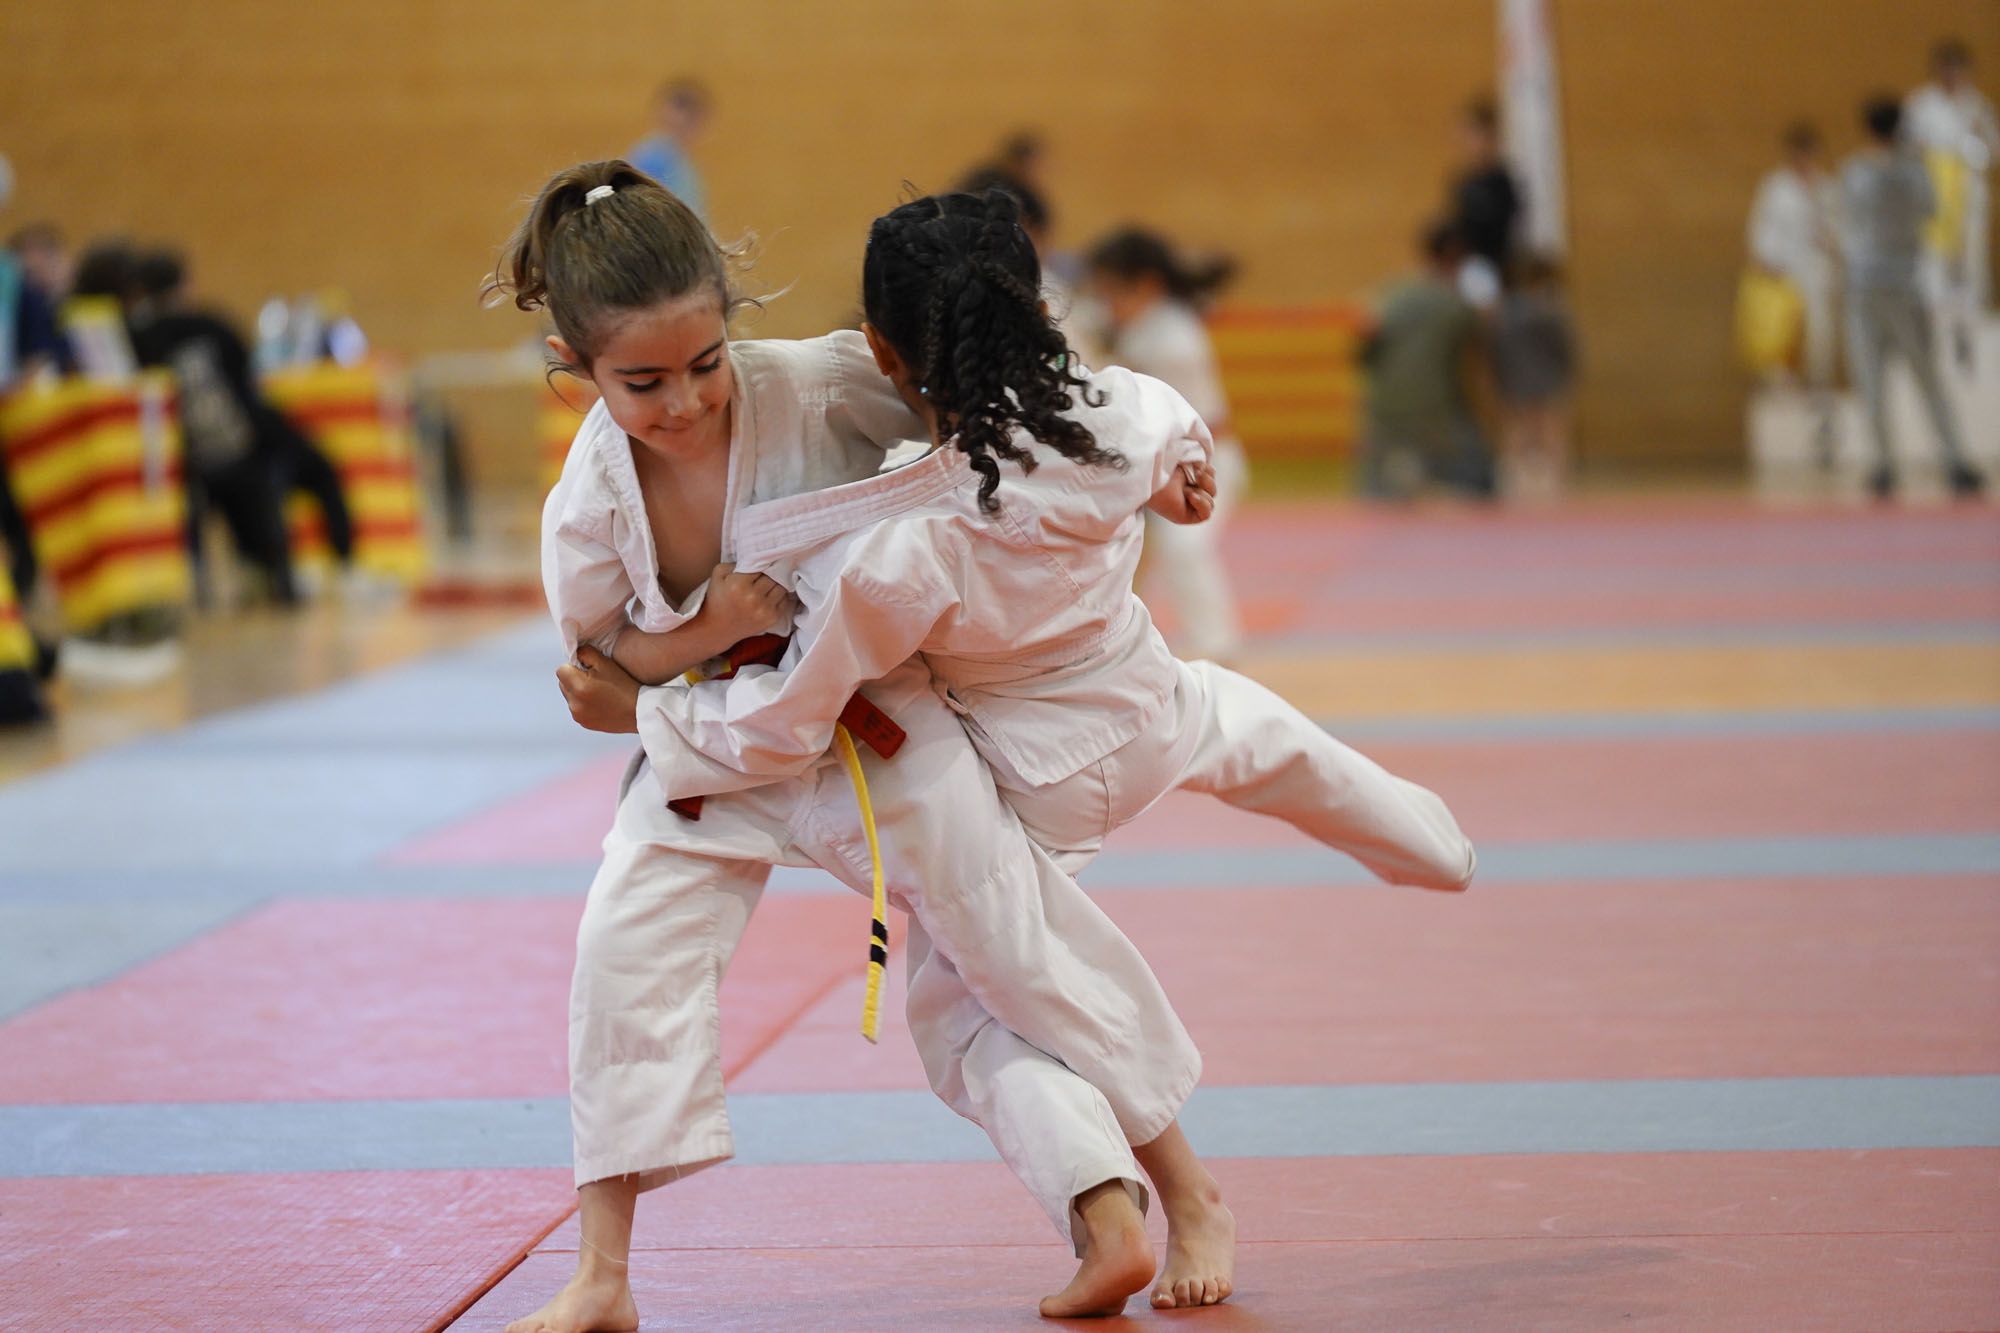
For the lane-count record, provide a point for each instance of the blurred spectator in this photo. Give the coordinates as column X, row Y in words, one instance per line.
column 1020, row 167
column 1419, row 357
column 681, row 109
column 1793, row 237
column 104, row 270
column 1153, row 299
column 1022, row 158
column 244, row 455
column 1886, row 200
column 1485, row 204
column 1954, row 125
column 1534, row 369
column 1069, row 310
column 92, row 315
column 34, row 278
column 27, row 338
column 1024, row 155
column 44, row 258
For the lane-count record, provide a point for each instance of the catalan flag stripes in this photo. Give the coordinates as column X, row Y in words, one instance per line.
column 96, row 468
column 360, row 416
column 1292, row 378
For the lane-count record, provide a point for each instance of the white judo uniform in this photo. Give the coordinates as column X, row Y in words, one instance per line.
column 1793, row 231
column 1169, row 342
column 1027, row 620
column 1055, row 1035
column 1961, row 126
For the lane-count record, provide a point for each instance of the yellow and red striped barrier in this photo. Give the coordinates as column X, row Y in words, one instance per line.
column 1292, row 377
column 561, row 412
column 96, row 468
column 360, row 417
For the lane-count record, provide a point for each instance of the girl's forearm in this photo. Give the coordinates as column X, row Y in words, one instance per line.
column 656, row 658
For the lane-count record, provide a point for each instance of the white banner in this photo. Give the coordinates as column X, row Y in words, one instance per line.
column 1531, row 123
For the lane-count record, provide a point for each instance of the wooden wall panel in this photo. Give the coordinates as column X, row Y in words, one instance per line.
column 385, row 146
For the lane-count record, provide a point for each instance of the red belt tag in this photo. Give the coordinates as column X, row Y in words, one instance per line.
column 873, row 727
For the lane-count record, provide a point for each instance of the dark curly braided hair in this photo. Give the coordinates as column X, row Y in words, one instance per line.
column 952, row 282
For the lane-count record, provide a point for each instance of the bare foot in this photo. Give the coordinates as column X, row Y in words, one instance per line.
column 597, row 1300
column 1117, row 1257
column 1201, row 1253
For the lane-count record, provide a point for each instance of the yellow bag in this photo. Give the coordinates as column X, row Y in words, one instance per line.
column 1770, row 321
column 1944, row 234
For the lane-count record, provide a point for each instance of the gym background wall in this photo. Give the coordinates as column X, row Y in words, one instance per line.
column 385, row 147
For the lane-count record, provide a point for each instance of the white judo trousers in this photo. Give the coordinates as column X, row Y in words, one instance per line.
column 662, row 922
column 1227, row 736
column 1009, row 964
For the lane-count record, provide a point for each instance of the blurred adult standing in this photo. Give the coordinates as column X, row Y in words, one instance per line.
column 1886, row 200
column 1953, row 124
column 20, row 692
column 681, row 110
column 1485, row 204
column 1793, row 235
column 34, row 277
column 44, row 258
column 28, row 339
column 41, row 270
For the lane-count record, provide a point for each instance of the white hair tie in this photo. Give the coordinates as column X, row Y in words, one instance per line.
column 599, row 192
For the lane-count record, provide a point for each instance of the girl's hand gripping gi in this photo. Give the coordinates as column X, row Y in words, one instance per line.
column 1189, row 497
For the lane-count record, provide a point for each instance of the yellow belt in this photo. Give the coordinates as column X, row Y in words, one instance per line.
column 878, row 925
column 878, row 936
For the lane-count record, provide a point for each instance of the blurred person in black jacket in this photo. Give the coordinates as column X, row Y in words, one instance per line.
column 1484, row 206
column 244, row 455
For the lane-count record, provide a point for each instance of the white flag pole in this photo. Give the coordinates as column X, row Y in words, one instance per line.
column 1531, row 122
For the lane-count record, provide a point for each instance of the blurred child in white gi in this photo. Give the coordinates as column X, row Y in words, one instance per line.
column 1152, row 300
column 1954, row 126
column 1794, row 235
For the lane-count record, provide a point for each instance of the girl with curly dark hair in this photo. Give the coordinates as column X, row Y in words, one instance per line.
column 1004, row 556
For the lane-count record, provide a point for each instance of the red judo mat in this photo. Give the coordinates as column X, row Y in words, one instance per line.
column 403, row 993
column 1584, row 787
column 1547, row 1242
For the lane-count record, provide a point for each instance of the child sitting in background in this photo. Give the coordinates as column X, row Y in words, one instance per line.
column 1420, row 358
